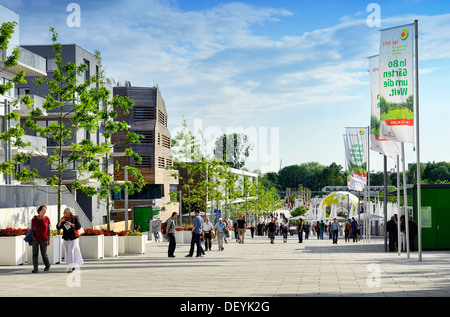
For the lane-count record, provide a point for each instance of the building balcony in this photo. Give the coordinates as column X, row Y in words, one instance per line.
column 38, row 104
column 38, row 146
column 31, row 63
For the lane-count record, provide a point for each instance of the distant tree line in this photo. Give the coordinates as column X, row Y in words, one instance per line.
column 311, row 175
column 315, row 176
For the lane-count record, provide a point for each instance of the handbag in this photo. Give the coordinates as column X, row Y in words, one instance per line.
column 78, row 232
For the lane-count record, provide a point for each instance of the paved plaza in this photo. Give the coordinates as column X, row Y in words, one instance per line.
column 253, row 269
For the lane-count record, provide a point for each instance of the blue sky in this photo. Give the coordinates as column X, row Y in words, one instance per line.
column 291, row 74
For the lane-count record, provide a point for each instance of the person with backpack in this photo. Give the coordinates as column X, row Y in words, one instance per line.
column 355, row 229
column 347, row 228
column 170, row 231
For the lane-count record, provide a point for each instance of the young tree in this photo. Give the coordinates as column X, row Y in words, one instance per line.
column 74, row 107
column 186, row 151
column 95, row 158
column 233, row 149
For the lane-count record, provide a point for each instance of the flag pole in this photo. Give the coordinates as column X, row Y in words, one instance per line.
column 405, row 204
column 419, row 202
column 398, row 204
column 368, row 185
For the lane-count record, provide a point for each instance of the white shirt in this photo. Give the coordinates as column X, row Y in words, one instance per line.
column 207, row 226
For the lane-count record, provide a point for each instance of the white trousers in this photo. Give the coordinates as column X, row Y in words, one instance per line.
column 73, row 253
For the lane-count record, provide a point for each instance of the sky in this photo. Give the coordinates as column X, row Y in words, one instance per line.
column 290, row 74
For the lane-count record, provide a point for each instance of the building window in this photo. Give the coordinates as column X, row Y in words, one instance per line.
column 149, row 137
column 161, row 162
column 143, row 113
column 146, row 162
column 87, row 73
column 9, row 93
column 166, row 141
column 168, row 162
column 21, row 92
column 69, row 166
column 162, row 118
column 51, row 64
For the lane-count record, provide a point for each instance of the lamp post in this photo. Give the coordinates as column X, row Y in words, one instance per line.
column 126, row 197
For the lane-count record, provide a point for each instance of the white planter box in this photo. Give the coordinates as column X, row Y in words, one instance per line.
column 122, row 244
column 54, row 251
column 92, row 247
column 135, row 244
column 111, row 246
column 13, row 250
column 179, row 237
column 187, row 236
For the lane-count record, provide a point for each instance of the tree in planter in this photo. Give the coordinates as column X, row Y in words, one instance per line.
column 212, row 186
column 186, row 151
column 95, row 158
column 73, row 107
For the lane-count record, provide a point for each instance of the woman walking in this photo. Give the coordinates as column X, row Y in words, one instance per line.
column 69, row 223
column 41, row 238
column 285, row 229
column 300, row 230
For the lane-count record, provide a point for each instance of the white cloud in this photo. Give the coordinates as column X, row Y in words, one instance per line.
column 220, row 65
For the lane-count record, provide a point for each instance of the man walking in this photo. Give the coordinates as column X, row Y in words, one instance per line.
column 321, row 228
column 335, row 230
column 242, row 228
column 170, row 230
column 220, row 232
column 271, row 230
column 196, row 234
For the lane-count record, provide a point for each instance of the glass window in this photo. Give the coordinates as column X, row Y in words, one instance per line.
column 51, row 63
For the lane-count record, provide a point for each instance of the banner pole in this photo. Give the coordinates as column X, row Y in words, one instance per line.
column 398, row 204
column 405, row 203
column 419, row 202
column 385, row 203
column 368, row 183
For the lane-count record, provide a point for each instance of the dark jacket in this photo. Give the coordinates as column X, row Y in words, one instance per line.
column 69, row 234
column 391, row 227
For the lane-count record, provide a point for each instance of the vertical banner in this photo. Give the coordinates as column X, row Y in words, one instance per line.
column 397, row 83
column 356, row 155
column 381, row 145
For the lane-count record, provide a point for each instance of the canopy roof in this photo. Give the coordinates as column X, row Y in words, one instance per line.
column 340, row 198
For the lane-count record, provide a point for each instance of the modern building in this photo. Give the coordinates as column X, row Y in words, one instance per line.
column 148, row 118
column 32, row 64
column 93, row 207
column 18, row 202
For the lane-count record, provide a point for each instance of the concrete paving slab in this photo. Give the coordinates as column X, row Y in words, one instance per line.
column 253, row 269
